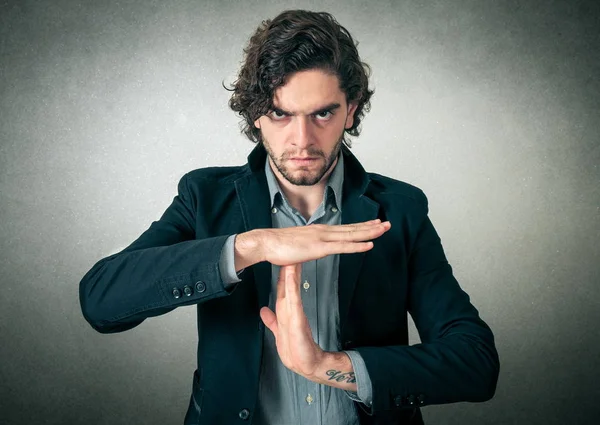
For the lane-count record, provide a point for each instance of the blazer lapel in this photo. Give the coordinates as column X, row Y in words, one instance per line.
column 253, row 195
column 356, row 208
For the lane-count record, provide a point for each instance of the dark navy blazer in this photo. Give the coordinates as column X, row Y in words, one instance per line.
column 176, row 262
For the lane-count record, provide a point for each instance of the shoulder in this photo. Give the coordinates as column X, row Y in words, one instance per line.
column 211, row 180
column 388, row 190
column 216, row 175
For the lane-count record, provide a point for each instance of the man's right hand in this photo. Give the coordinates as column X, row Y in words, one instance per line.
column 298, row 244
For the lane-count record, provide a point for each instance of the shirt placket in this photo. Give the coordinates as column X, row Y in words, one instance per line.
column 308, row 291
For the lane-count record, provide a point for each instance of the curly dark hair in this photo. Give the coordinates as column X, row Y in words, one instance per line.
column 297, row 40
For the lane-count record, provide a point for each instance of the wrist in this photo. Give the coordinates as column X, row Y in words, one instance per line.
column 258, row 240
column 247, row 250
column 335, row 369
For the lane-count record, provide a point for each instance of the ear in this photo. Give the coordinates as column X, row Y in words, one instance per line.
column 350, row 116
column 257, row 123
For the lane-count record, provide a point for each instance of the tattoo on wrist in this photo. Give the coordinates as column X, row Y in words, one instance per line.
column 339, row 376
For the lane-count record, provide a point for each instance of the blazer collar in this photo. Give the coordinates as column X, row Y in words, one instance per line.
column 253, row 195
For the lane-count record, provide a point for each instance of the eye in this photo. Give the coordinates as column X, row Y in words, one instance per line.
column 324, row 115
column 277, row 115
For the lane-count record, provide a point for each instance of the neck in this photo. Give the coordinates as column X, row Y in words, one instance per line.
column 306, row 199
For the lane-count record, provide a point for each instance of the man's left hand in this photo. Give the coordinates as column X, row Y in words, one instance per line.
column 293, row 337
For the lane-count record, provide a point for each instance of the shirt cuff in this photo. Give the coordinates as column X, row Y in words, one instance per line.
column 363, row 381
column 227, row 264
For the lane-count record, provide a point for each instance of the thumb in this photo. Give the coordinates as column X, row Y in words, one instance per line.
column 269, row 319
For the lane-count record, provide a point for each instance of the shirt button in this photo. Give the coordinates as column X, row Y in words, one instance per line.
column 176, row 293
column 334, row 209
column 244, row 414
column 274, row 210
column 309, row 399
column 411, row 399
column 187, row 290
column 398, row 401
column 200, row 286
column 306, row 285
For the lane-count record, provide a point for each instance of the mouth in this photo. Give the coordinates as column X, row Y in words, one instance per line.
column 304, row 161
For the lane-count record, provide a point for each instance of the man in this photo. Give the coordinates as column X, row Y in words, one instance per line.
column 303, row 242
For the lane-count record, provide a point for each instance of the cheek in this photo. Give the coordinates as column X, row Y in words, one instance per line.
column 274, row 138
column 331, row 133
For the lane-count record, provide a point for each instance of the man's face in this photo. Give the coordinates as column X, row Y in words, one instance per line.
column 303, row 133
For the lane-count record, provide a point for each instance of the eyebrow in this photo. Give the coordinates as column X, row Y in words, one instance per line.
column 326, row 108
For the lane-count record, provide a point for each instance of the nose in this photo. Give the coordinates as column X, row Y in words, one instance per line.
column 302, row 132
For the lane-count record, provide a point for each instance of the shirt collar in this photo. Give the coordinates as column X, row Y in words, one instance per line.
column 335, row 182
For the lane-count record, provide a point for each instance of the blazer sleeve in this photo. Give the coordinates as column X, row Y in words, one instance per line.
column 456, row 359
column 166, row 267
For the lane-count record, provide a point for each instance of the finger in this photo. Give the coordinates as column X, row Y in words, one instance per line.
column 357, row 234
column 377, row 220
column 293, row 275
column 348, row 248
column 361, row 225
column 281, row 284
column 343, row 228
column 270, row 320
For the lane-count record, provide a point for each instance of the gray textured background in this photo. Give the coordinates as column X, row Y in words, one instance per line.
column 491, row 107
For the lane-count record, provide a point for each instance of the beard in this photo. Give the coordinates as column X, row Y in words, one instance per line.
column 304, row 177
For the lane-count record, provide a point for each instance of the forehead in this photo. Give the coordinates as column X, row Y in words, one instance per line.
column 306, row 91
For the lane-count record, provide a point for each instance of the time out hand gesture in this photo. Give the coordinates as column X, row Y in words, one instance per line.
column 293, row 338
column 299, row 244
